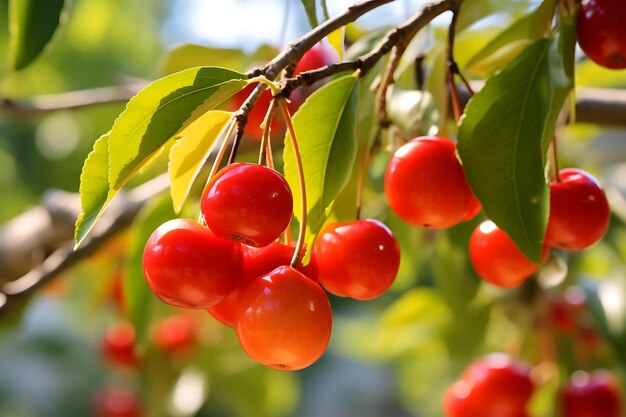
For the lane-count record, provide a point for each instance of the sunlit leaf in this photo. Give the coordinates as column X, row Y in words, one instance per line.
column 191, row 150
column 336, row 40
column 157, row 112
column 325, row 129
column 504, row 136
column 138, row 297
column 94, row 188
column 512, row 40
column 473, row 11
column 32, row 24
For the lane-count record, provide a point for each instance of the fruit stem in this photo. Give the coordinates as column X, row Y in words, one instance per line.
column 265, row 139
column 454, row 95
column 282, row 104
column 555, row 159
column 222, row 150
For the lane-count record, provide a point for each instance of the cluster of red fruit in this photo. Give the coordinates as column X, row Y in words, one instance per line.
column 235, row 268
column 426, row 186
column 499, row 385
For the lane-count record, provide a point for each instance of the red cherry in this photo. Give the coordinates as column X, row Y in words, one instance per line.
column 566, row 309
column 579, row 211
column 601, row 32
column 357, row 259
column 496, row 259
column 186, row 265
column 118, row 345
column 175, row 334
column 116, row 401
column 247, row 202
column 256, row 116
column 256, row 262
column 284, row 320
column 316, row 57
column 426, row 186
column 500, row 384
column 591, row 395
column 456, row 401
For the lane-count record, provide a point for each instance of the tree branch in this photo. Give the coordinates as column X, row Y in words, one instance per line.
column 118, row 217
column 70, row 101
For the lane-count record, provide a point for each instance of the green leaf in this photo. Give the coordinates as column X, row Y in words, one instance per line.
column 512, row 40
column 94, row 188
column 325, row 126
column 336, row 39
column 311, row 12
column 157, row 112
column 190, row 56
column 31, row 25
column 138, row 297
column 191, row 150
column 473, row 11
column 504, row 136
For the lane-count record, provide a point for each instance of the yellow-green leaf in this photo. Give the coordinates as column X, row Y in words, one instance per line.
column 191, row 150
column 94, row 188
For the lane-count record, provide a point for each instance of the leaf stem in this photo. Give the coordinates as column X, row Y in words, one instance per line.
column 297, row 253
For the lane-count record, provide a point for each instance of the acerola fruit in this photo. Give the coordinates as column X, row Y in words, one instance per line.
column 247, row 202
column 579, row 211
column 601, row 32
column 186, row 265
column 284, row 320
column 425, row 184
column 256, row 263
column 357, row 259
column 591, row 395
column 496, row 259
column 118, row 345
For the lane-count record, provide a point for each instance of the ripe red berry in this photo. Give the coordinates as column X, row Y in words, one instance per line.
column 256, row 115
column 284, row 320
column 256, row 263
column 426, row 186
column 247, row 202
column 118, row 345
column 186, row 265
column 579, row 211
column 175, row 334
column 601, row 32
column 496, row 259
column 591, row 395
column 316, row 57
column 567, row 308
column 496, row 385
column 114, row 401
column 357, row 259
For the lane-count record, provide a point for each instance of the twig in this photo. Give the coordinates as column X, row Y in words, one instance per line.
column 70, row 101
column 65, row 257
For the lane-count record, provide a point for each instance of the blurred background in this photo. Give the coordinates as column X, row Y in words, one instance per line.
column 64, row 351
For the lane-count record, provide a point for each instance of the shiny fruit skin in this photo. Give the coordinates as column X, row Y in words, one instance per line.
column 284, row 320
column 425, row 184
column 357, row 259
column 496, row 259
column 501, row 383
column 247, row 202
column 316, row 57
column 457, row 403
column 256, row 262
column 579, row 211
column 118, row 345
column 256, row 116
column 175, row 334
column 591, row 395
column 186, row 265
column 601, row 32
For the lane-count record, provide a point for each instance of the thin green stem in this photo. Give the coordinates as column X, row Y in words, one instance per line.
column 267, row 121
column 297, row 253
